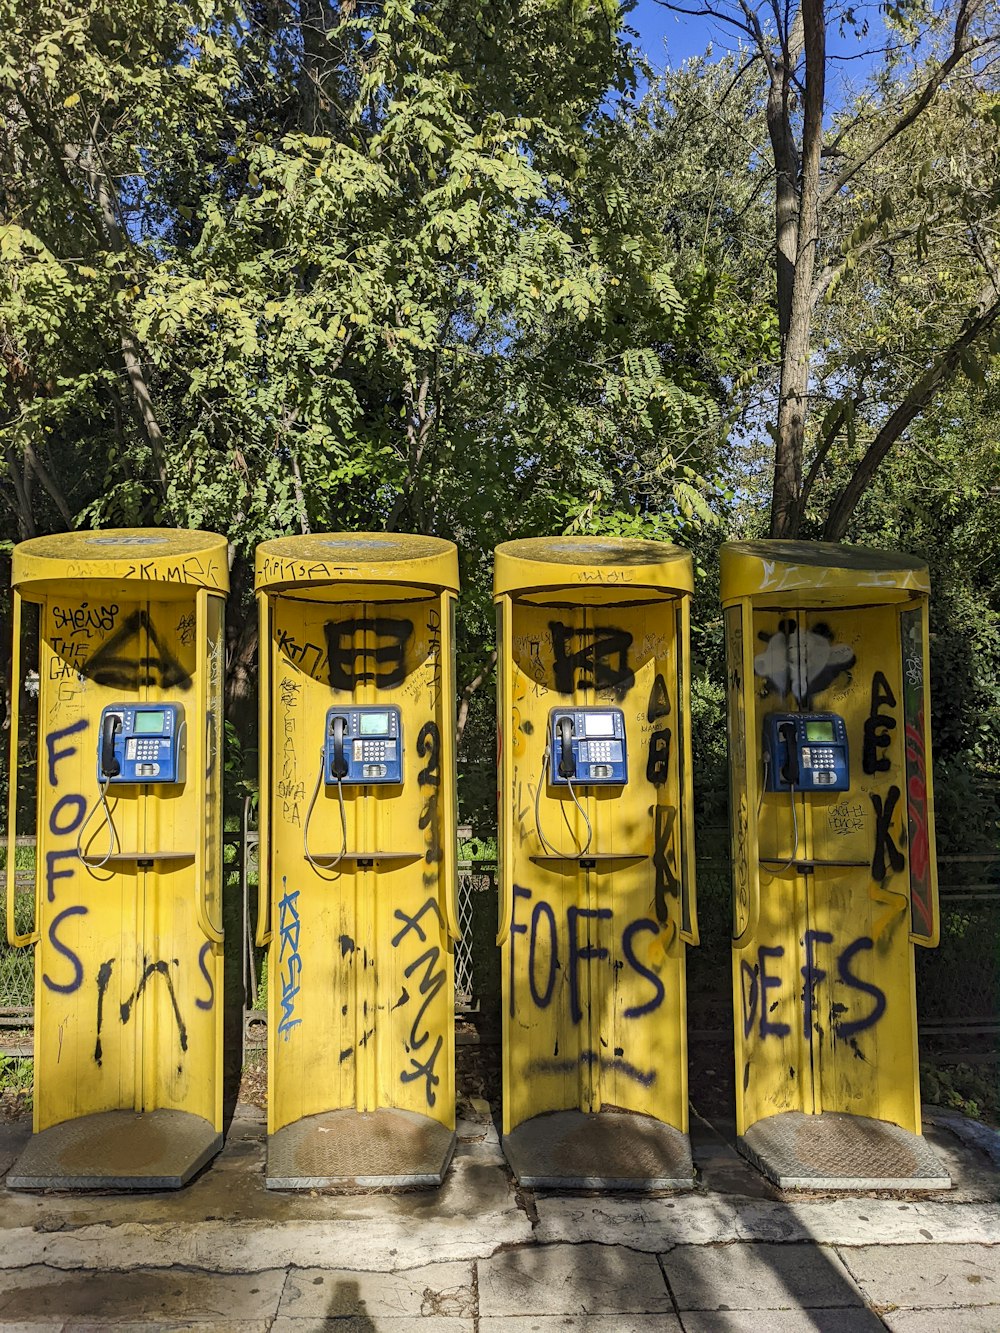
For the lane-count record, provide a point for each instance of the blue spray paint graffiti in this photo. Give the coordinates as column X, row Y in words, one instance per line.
column 290, row 969
column 756, row 983
column 60, row 827
column 545, row 958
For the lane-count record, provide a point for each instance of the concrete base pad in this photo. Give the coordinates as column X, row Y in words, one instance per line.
column 117, row 1150
column 834, row 1151
column 361, row 1149
column 609, row 1150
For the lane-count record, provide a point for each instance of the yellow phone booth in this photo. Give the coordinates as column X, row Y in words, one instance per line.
column 597, row 860
column 128, row 858
column 358, row 888
column 834, row 873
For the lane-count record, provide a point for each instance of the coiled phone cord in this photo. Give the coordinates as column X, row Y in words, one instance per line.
column 102, row 801
column 343, row 824
column 546, row 845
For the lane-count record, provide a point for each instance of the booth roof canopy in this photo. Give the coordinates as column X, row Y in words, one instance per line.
column 561, row 562
column 770, row 569
column 357, row 557
column 173, row 556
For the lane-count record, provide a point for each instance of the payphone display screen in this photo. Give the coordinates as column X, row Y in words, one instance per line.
column 374, row 724
column 820, row 731
column 149, row 723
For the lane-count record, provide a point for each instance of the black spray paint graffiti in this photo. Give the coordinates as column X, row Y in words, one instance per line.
column 666, row 883
column 601, row 662
column 125, row 661
column 803, row 662
column 431, row 979
column 756, row 983
column 877, row 727
column 429, row 748
column 380, row 658
column 159, row 968
column 885, row 847
column 85, row 619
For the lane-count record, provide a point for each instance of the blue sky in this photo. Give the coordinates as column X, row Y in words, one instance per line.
column 669, row 39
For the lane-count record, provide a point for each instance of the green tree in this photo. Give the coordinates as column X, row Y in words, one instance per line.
column 854, row 190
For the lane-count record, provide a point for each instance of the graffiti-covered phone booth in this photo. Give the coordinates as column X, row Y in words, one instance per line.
column 834, row 873
column 597, row 860
column 127, row 926
column 358, row 857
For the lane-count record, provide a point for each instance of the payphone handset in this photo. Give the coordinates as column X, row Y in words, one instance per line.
column 363, row 745
column 141, row 743
column 587, row 747
column 806, row 752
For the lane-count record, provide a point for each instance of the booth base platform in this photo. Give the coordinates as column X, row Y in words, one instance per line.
column 117, row 1150
column 611, row 1150
column 359, row 1149
column 835, row 1151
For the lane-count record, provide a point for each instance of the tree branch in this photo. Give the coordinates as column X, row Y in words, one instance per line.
column 962, row 45
column 985, row 314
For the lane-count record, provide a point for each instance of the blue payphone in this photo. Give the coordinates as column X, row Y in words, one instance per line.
column 141, row 743
column 806, row 752
column 587, row 747
column 363, row 745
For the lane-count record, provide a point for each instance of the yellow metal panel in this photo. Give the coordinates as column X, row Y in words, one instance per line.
column 173, row 559
column 823, row 982
column 784, row 573
column 128, row 990
column 360, row 967
column 598, row 569
column 305, row 567
column 592, row 957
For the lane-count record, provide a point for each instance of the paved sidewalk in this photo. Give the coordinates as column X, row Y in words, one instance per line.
column 477, row 1254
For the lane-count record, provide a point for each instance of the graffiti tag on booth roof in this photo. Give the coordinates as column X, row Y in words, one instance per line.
column 378, row 658
column 591, row 659
column 802, row 663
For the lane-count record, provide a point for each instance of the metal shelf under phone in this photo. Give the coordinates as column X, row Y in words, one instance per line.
column 808, row 864
column 589, row 859
column 367, row 856
column 141, row 856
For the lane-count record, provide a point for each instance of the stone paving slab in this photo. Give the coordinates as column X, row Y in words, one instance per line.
column 137, row 1326
column 571, row 1279
column 758, row 1277
column 583, row 1323
column 365, row 1324
column 929, row 1277
column 655, row 1225
column 398, row 1239
column 44, row 1294
column 444, row 1289
column 849, row 1320
column 981, row 1319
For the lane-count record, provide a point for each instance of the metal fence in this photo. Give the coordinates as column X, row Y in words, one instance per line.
column 958, row 984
